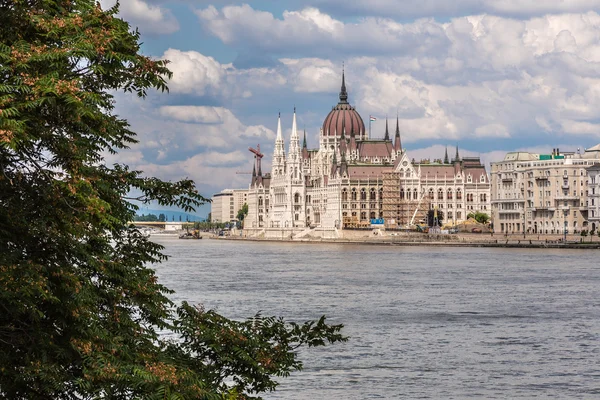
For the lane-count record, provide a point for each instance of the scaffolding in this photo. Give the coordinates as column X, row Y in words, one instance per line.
column 401, row 212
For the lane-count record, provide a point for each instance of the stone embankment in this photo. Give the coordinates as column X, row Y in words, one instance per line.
column 458, row 240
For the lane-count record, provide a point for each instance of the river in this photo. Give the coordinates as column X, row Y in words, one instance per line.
column 439, row 323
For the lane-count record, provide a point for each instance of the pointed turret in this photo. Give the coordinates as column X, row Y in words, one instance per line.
column 304, row 141
column 304, row 147
column 278, row 151
column 397, row 143
column 343, row 92
column 446, row 160
column 343, row 143
column 343, row 165
column 387, row 132
column 456, row 157
column 279, row 135
column 295, row 153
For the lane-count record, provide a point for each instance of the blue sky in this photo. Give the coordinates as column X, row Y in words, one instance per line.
column 490, row 76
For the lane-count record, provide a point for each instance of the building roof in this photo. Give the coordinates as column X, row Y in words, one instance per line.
column 592, row 152
column 367, row 171
column 375, row 148
column 343, row 117
column 520, row 156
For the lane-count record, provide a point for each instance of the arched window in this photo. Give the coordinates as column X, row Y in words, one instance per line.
column 440, row 194
column 458, row 195
column 363, row 194
column 402, row 194
column 372, row 214
column 415, row 194
column 354, row 194
column 260, row 201
column 372, row 195
column 363, row 215
column 297, row 198
column 449, row 194
column 431, row 194
column 344, row 194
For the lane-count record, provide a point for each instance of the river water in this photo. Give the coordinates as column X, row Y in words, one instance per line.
column 437, row 322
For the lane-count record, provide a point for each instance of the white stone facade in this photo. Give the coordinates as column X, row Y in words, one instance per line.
column 340, row 185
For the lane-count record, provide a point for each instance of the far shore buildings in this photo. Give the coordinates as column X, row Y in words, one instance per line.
column 352, row 181
column 546, row 193
column 226, row 204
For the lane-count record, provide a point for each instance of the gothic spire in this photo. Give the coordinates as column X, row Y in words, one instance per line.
column 397, row 143
column 446, row 161
column 279, row 136
column 294, row 126
column 387, row 132
column 343, row 92
column 304, row 142
column 457, row 157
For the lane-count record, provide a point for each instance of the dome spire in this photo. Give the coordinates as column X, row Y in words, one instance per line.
column 343, row 92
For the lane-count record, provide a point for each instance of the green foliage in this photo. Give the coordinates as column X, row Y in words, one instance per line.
column 480, row 217
column 80, row 309
column 147, row 218
column 584, row 233
column 242, row 212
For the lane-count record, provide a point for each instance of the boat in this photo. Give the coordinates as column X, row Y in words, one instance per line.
column 191, row 235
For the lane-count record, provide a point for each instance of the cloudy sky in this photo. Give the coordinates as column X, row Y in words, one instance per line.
column 490, row 76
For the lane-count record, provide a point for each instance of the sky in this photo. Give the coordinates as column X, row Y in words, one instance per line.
column 488, row 76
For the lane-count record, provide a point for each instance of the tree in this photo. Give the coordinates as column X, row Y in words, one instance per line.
column 162, row 217
column 480, row 217
column 80, row 309
column 431, row 217
column 242, row 212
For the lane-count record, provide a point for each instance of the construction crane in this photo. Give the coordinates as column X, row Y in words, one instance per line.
column 412, row 220
column 257, row 156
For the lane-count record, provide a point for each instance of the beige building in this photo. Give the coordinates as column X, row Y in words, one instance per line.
column 594, row 196
column 226, row 204
column 542, row 193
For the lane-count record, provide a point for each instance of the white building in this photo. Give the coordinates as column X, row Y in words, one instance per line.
column 542, row 193
column 226, row 204
column 351, row 180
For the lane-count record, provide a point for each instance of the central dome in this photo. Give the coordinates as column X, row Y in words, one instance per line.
column 343, row 117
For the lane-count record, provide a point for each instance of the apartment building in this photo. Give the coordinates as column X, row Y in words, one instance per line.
column 543, row 193
column 226, row 204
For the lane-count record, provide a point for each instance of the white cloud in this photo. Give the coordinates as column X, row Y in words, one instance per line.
column 149, row 18
column 445, row 8
column 200, row 75
column 318, row 33
column 312, row 75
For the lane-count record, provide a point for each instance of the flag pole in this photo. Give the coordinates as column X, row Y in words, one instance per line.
column 369, row 127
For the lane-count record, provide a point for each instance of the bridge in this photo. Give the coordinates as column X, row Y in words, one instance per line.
column 165, row 225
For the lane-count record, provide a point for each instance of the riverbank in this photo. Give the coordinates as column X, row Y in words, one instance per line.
column 456, row 240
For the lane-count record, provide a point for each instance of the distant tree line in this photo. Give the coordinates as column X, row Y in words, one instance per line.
column 150, row 218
